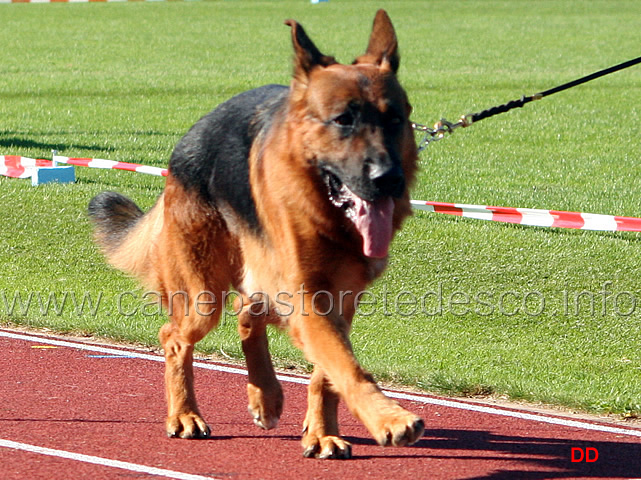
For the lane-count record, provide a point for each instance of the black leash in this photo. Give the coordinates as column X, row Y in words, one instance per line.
column 443, row 126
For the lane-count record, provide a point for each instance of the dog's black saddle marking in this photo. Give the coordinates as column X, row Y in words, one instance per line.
column 213, row 155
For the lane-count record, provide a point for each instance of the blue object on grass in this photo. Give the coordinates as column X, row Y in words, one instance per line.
column 62, row 174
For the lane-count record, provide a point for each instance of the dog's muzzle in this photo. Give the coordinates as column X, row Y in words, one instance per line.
column 387, row 181
column 369, row 204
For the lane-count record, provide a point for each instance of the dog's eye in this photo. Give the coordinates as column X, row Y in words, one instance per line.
column 345, row 119
column 395, row 121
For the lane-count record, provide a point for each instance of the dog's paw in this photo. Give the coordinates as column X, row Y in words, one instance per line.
column 399, row 430
column 326, row 447
column 265, row 406
column 187, row 425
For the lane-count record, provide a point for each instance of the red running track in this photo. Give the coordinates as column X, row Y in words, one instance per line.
column 77, row 410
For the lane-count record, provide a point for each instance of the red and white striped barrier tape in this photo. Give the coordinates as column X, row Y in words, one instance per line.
column 110, row 164
column 535, row 217
column 23, row 167
column 16, row 166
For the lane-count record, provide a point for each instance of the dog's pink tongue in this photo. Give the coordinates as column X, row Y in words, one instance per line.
column 373, row 221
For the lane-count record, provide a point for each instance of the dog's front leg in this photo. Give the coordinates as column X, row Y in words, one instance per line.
column 264, row 391
column 325, row 343
column 320, row 429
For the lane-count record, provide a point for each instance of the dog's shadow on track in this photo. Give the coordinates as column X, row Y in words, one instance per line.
column 525, row 457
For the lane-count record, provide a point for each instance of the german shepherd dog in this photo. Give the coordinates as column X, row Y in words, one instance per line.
column 294, row 192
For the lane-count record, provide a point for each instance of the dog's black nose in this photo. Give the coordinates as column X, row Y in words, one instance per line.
column 388, row 179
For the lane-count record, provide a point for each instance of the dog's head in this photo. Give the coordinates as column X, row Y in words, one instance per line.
column 356, row 133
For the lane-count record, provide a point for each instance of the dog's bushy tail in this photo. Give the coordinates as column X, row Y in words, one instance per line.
column 127, row 235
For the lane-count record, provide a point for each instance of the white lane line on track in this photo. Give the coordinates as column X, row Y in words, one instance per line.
column 105, row 462
column 304, row 381
column 516, row 414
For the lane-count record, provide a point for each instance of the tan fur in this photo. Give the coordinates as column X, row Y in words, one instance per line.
column 135, row 256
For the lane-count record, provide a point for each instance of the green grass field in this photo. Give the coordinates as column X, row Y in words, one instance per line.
column 543, row 315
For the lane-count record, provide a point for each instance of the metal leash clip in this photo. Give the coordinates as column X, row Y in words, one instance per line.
column 441, row 128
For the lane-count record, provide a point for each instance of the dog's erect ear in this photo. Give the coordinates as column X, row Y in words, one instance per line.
column 306, row 55
column 382, row 49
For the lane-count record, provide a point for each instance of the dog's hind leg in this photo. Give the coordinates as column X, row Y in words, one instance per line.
column 188, row 325
column 195, row 269
column 191, row 319
column 264, row 391
column 183, row 417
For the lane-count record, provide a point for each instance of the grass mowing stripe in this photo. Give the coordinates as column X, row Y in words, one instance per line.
column 127, row 80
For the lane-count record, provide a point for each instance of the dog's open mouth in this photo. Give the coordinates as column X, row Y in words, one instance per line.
column 373, row 220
